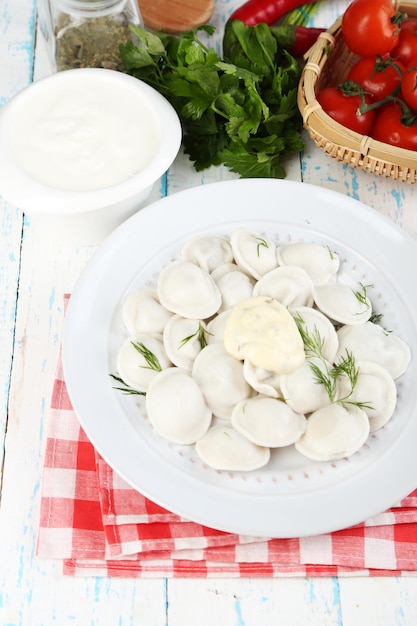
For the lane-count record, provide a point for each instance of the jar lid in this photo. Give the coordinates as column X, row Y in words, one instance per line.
column 90, row 8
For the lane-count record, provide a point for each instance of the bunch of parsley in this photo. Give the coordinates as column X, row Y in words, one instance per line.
column 240, row 110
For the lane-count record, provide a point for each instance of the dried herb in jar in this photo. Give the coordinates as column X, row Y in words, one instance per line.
column 90, row 42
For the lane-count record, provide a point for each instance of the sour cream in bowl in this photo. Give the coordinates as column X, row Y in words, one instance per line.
column 83, row 148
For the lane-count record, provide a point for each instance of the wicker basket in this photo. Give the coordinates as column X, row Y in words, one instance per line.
column 328, row 63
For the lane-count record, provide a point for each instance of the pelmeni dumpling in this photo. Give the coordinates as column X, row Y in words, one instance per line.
column 290, row 285
column 370, row 342
column 207, row 251
column 318, row 330
column 176, row 407
column 216, row 326
column 334, row 432
column 139, row 359
column 183, row 339
column 186, row 289
column 343, row 303
column 143, row 313
column 223, row 448
column 317, row 260
column 374, row 390
column 234, row 286
column 268, row 422
column 302, row 391
column 261, row 380
column 253, row 252
column 220, row 378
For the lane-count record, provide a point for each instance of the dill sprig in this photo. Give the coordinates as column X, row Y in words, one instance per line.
column 326, row 374
column 201, row 334
column 150, row 358
column 313, row 342
column 262, row 243
column 125, row 388
column 361, row 295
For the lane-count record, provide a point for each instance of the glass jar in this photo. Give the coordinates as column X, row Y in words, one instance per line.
column 87, row 33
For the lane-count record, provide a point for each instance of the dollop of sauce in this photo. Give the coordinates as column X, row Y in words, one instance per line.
column 88, row 133
column 262, row 330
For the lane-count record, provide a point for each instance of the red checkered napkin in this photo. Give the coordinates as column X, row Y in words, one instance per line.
column 96, row 524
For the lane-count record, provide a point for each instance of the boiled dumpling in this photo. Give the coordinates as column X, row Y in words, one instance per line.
column 220, row 377
column 290, row 285
column 253, row 252
column 343, row 303
column 268, row 422
column 183, row 339
column 319, row 334
column 207, row 251
column 375, row 391
column 176, row 407
column 370, row 342
column 302, row 390
column 261, row 380
column 186, row 289
column 234, row 286
column 334, row 432
column 143, row 313
column 317, row 260
column 140, row 358
column 223, row 448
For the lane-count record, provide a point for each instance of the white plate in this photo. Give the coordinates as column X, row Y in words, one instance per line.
column 292, row 496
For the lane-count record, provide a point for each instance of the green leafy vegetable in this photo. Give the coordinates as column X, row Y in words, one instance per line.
column 240, row 110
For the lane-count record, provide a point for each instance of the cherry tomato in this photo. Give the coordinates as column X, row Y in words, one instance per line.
column 409, row 84
column 389, row 127
column 370, row 27
column 378, row 77
column 344, row 109
column 406, row 49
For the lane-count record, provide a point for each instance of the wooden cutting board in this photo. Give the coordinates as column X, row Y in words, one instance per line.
column 174, row 16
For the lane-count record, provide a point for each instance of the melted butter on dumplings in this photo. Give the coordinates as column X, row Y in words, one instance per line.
column 262, row 330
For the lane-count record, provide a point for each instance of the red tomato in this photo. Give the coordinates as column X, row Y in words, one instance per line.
column 369, row 27
column 345, row 109
column 406, row 49
column 409, row 84
column 378, row 77
column 390, row 128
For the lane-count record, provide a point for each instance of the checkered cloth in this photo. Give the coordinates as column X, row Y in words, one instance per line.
column 96, row 524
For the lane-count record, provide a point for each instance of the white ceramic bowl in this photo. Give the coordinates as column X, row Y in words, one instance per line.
column 83, row 148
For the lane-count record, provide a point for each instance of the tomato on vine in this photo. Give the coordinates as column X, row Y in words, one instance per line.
column 379, row 77
column 406, row 49
column 371, row 27
column 396, row 125
column 343, row 104
column 409, row 84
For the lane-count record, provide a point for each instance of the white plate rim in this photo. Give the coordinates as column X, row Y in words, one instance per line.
column 85, row 359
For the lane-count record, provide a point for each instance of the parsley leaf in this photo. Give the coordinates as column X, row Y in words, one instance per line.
column 240, row 110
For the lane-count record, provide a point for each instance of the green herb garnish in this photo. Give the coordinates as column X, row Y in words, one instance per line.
column 150, row 358
column 240, row 110
column 262, row 243
column 324, row 373
column 361, row 295
column 125, row 387
column 201, row 334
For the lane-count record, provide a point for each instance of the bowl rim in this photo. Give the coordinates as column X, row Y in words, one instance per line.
column 33, row 196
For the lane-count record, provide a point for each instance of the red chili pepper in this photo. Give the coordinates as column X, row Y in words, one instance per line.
column 296, row 39
column 255, row 12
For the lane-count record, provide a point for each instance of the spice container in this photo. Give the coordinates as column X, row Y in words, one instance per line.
column 87, row 33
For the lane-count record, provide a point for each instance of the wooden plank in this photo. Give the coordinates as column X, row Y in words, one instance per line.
column 16, row 45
